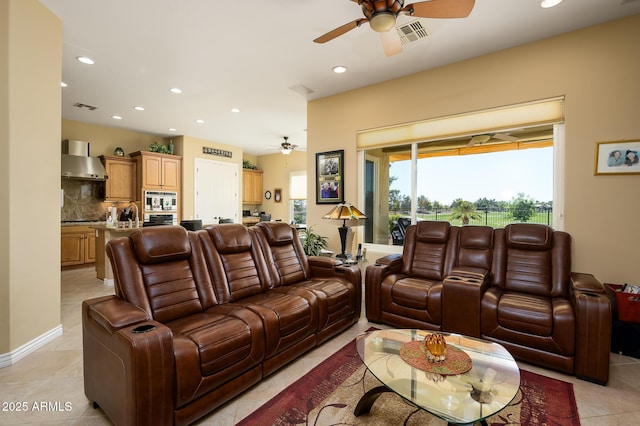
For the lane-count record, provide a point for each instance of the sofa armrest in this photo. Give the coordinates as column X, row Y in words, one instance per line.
column 113, row 313
column 586, row 283
column 593, row 328
column 391, row 260
column 462, row 293
column 374, row 275
column 128, row 369
column 323, row 262
column 323, row 266
column 470, row 273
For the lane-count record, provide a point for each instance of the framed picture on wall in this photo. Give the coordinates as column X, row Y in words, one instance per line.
column 329, row 177
column 617, row 158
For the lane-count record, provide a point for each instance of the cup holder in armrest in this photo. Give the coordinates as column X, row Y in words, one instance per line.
column 464, row 280
column 143, row 328
column 454, row 278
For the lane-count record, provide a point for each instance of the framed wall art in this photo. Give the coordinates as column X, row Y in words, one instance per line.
column 617, row 158
column 330, row 177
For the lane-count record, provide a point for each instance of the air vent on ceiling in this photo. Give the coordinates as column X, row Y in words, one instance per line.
column 85, row 106
column 412, row 32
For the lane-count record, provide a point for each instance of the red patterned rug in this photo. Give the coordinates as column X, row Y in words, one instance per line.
column 328, row 394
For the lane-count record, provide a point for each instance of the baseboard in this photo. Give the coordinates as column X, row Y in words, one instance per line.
column 29, row 347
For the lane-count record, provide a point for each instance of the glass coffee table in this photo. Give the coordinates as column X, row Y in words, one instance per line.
column 486, row 388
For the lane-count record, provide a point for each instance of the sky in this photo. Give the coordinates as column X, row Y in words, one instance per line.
column 499, row 175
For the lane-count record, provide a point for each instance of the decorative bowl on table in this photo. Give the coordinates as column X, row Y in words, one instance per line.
column 435, row 347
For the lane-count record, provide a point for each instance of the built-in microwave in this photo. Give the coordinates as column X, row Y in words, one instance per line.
column 158, row 201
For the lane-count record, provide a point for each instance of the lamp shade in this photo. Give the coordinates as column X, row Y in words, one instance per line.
column 344, row 211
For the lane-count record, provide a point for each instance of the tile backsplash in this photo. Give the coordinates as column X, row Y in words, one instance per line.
column 83, row 200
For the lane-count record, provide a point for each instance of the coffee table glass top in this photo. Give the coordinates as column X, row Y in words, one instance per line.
column 486, row 389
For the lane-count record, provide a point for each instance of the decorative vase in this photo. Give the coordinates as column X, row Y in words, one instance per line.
column 436, row 347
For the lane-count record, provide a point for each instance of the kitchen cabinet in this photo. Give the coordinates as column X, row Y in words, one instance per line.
column 77, row 245
column 251, row 186
column 121, row 184
column 158, row 171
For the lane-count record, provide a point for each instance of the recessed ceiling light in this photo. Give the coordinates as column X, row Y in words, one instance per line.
column 339, row 69
column 199, row 121
column 85, row 60
column 235, row 109
column 171, row 129
column 175, row 90
column 550, row 3
column 138, row 108
column 116, row 117
column 63, row 84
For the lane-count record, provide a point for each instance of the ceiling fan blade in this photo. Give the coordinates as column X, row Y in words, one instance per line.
column 391, row 42
column 504, row 137
column 440, row 8
column 339, row 31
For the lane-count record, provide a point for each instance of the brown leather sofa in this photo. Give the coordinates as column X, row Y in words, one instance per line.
column 513, row 286
column 199, row 317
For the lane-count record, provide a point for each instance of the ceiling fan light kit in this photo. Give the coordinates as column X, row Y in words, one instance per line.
column 382, row 14
column 382, row 22
column 480, row 139
column 285, row 147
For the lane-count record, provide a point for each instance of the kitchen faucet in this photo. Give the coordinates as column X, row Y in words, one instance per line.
column 137, row 217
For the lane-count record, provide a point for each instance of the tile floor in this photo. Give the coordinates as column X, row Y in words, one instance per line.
column 48, row 385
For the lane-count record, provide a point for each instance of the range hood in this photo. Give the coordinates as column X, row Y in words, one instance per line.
column 77, row 164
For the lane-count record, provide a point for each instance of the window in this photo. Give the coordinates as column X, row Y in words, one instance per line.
column 298, row 197
column 503, row 179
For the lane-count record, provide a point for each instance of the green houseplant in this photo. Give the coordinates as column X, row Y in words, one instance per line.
column 312, row 243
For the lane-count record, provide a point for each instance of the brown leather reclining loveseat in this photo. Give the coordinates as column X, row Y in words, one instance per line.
column 199, row 317
column 513, row 286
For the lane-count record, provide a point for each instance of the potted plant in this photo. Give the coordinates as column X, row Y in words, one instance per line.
column 312, row 243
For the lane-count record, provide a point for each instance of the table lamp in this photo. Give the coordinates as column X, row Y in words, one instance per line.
column 344, row 212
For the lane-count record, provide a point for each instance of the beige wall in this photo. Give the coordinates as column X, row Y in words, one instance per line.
column 103, row 140
column 596, row 69
column 30, row 54
column 277, row 169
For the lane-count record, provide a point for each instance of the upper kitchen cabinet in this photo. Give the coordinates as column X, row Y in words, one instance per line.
column 121, row 184
column 251, row 186
column 158, row 171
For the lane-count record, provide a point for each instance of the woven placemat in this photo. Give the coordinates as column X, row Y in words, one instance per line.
column 457, row 361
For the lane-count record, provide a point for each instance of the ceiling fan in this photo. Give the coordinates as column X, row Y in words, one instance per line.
column 486, row 137
column 285, row 147
column 382, row 14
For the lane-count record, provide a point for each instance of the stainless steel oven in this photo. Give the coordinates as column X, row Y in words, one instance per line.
column 160, row 208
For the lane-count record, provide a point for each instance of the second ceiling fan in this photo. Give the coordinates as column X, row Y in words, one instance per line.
column 382, row 14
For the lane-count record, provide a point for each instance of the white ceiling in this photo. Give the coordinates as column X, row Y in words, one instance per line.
column 250, row 54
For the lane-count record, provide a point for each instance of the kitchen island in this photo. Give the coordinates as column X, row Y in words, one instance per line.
column 104, row 235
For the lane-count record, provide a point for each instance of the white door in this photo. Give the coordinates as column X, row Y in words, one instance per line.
column 216, row 191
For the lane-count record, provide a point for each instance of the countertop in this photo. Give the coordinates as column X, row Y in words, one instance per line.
column 103, row 227
column 87, row 223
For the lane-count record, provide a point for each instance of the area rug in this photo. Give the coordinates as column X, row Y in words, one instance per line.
column 328, row 394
